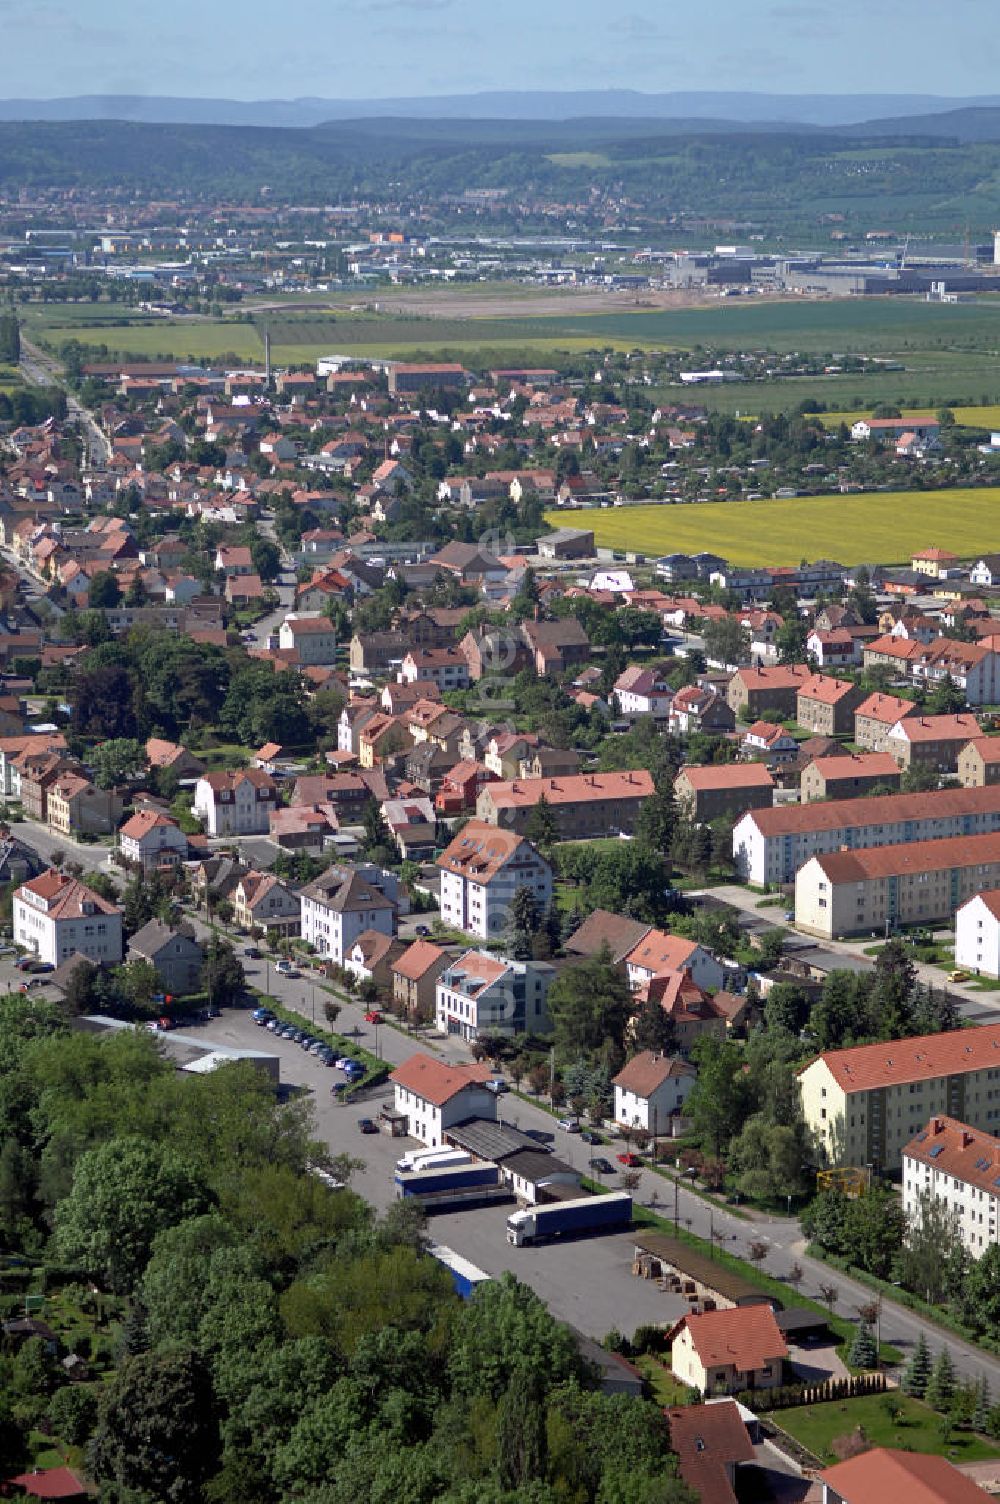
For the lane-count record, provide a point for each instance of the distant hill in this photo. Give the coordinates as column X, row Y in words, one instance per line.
column 974, row 123
column 745, row 108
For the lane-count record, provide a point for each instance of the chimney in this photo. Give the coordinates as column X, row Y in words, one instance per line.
column 937, row 1125
column 967, row 1138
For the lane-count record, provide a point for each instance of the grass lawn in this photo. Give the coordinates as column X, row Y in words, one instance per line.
column 665, row 1389
column 885, row 525
column 918, row 1428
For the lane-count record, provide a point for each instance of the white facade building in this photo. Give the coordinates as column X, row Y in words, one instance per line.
column 960, row 1167
column 55, row 915
column 235, row 803
column 312, row 638
column 977, row 934
column 480, row 993
column 650, row 1092
column 481, row 871
column 434, row 1096
column 339, row 906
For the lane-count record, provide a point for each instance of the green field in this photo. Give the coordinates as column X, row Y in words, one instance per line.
column 884, row 526
column 985, row 416
column 918, row 1428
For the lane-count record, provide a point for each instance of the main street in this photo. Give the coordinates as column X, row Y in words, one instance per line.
column 42, row 369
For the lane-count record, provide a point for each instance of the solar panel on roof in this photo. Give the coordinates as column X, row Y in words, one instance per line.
column 982, row 1164
column 933, row 1153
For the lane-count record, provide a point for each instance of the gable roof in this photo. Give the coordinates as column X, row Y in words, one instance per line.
column 745, row 1337
column 601, row 928
column 418, row 959
column 883, row 1474
column 658, row 951
column 924, row 1057
column 707, row 1438
column 730, row 775
column 481, row 851
column 648, row 1070
column 869, row 862
column 436, row 1082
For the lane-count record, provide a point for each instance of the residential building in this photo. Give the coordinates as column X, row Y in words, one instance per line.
column 876, row 716
column 235, row 803
column 445, row 667
column 584, row 805
column 875, row 890
column 481, row 870
column 433, row 1096
column 312, row 638
column 601, row 928
column 306, row 827
column 722, row 789
column 175, row 953
column 959, row 1166
column 371, row 956
column 977, row 934
column 725, row 1352
column 865, row 1103
column 770, row 845
column 846, row 777
column 974, row 668
column 711, row 1441
column 642, row 691
column 55, row 915
column 162, row 754
column 337, row 906
column 931, row 741
column 556, row 646
column 827, row 706
column 262, row 901
column 979, row 762
column 695, row 708
column 650, row 1091
column 658, row 953
column 484, row 994
column 414, row 980
column 756, row 694
column 78, row 807
column 770, row 743
column 882, row 1475
column 149, row 840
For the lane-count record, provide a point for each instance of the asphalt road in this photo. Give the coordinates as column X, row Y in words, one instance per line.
column 42, row 370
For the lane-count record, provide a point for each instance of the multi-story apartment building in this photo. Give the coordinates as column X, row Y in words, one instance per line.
column 717, row 789
column 55, row 915
column 484, row 994
column 434, row 1097
column 826, row 706
column 756, row 694
column 931, row 741
column 338, row 906
column 770, row 845
column 876, row 889
column 866, row 1103
column 958, row 1166
column 150, row 840
column 481, row 870
column 584, row 804
column 979, row 762
column 235, row 803
column 974, row 667
column 311, row 638
column 876, row 716
column 849, row 776
column 977, row 934
column 445, row 667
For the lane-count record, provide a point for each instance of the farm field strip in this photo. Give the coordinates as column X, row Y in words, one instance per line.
column 879, row 526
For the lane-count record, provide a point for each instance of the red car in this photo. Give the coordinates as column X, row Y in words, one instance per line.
column 373, row 1016
column 630, row 1161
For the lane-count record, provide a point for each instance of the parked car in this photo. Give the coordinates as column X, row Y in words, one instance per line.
column 590, row 1137
column 343, row 1062
column 498, row 1086
column 602, row 1166
column 630, row 1161
column 261, row 1016
column 367, row 1125
column 569, row 1125
column 252, row 953
column 421, row 930
column 286, row 969
column 23, row 962
column 373, row 1016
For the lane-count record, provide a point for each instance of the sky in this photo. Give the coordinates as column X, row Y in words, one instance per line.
column 257, row 49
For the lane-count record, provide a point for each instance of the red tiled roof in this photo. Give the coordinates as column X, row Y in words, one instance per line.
column 822, row 688
column 436, row 1082
column 869, row 862
column 966, row 1153
column 938, row 728
column 885, row 708
column 648, row 1070
column 924, row 1057
column 857, row 765
column 658, row 952
column 706, row 1439
column 884, row 1475
column 417, row 960
column 480, row 851
column 733, row 775
column 795, row 819
column 746, row 1337
column 572, row 788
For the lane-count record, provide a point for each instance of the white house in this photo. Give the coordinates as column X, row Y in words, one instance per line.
column 235, row 803
column 650, row 1092
column 312, row 638
column 151, row 840
column 338, row 906
column 642, row 691
column 481, row 871
column 480, row 993
column 724, row 1351
column 977, row 934
column 657, row 952
column 434, row 1096
column 445, row 667
column 55, row 915
column 960, row 1167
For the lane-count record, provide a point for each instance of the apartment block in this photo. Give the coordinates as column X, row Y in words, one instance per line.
column 585, row 805
column 877, row 889
column 931, row 741
column 826, row 706
column 960, row 1167
column 876, row 716
column 770, row 845
column 865, row 1104
column 849, row 777
column 979, row 762
column 481, row 870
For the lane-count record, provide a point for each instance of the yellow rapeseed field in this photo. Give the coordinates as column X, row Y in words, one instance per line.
column 878, row 527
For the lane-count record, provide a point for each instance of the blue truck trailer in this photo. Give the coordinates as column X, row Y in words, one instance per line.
column 465, row 1276
column 561, row 1219
column 449, row 1186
